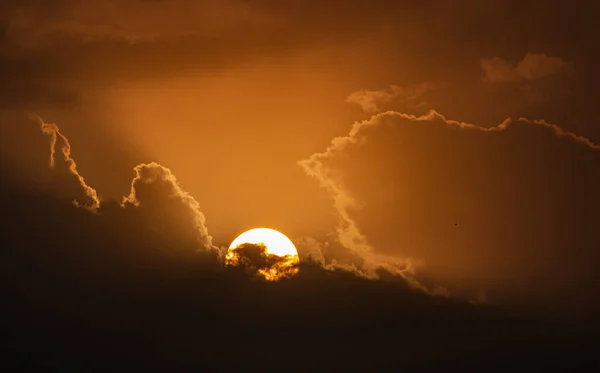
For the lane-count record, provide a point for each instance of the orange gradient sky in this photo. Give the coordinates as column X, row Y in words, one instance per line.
column 232, row 104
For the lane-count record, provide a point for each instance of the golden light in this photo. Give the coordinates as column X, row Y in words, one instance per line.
column 278, row 258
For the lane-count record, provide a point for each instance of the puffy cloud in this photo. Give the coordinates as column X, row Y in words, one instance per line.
column 154, row 189
column 154, row 186
column 368, row 175
column 533, row 66
column 315, row 166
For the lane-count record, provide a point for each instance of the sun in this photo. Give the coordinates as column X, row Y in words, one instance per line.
column 276, row 242
column 277, row 256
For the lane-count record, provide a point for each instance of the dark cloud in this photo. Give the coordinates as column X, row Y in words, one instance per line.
column 254, row 261
column 130, row 20
column 537, row 81
column 130, row 280
column 75, row 282
column 533, row 66
column 111, row 285
column 37, row 25
column 54, row 52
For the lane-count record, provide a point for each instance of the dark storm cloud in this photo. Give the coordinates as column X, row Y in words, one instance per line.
column 75, row 283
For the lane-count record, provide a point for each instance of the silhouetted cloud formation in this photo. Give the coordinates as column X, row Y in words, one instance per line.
column 88, row 282
column 255, row 261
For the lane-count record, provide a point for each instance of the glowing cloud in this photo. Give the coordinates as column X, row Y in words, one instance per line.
column 145, row 174
column 156, row 174
column 52, row 130
column 348, row 232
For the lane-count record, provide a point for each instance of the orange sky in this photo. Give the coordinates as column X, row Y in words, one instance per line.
column 231, row 105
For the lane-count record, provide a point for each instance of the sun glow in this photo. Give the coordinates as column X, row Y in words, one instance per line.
column 276, row 242
column 279, row 258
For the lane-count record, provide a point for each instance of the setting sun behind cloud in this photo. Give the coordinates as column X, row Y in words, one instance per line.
column 276, row 242
column 277, row 256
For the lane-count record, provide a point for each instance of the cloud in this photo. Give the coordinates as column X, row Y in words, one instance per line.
column 48, row 286
column 534, row 66
column 52, row 130
column 128, row 20
column 311, row 249
column 154, row 189
column 155, row 186
column 373, row 101
column 167, row 208
column 325, row 168
column 255, row 261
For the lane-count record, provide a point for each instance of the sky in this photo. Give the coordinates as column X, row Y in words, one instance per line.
column 454, row 143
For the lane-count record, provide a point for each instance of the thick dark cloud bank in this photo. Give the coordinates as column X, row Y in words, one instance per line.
column 83, row 292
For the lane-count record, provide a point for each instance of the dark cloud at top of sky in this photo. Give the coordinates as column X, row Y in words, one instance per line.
column 38, row 25
column 52, row 51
